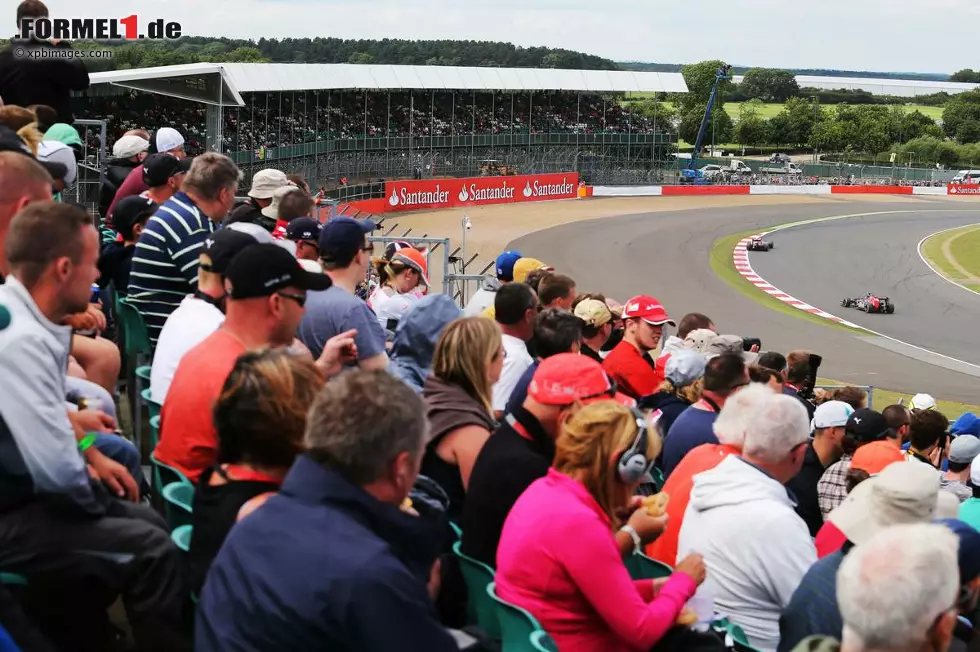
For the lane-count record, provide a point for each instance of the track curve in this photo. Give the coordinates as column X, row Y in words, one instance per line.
column 667, row 255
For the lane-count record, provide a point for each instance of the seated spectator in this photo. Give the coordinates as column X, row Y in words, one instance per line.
column 346, row 255
column 403, row 281
column 856, row 397
column 164, row 175
column 116, row 259
column 597, row 326
column 299, row 181
column 826, row 447
column 922, row 402
column 259, row 417
column 682, row 388
column 334, row 523
column 773, row 360
column 563, row 564
column 927, row 437
column 630, row 364
column 22, row 181
column 264, row 186
column 962, row 451
column 899, row 419
column 293, row 205
column 63, row 145
column 797, row 374
column 457, row 395
column 523, row 447
column 557, row 291
column 483, row 298
column 515, row 310
column 165, row 141
column 165, row 263
column 723, row 376
column 265, row 302
column 753, row 571
column 46, row 116
column 737, row 415
column 54, row 515
column 970, row 509
column 555, row 331
column 689, row 322
column 766, row 376
column 414, row 346
column 524, row 266
column 305, row 232
column 127, row 154
column 199, row 314
column 967, row 424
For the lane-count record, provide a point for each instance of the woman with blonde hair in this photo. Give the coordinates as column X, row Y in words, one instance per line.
column 467, row 362
column 558, row 557
column 403, row 280
column 684, row 373
column 260, row 417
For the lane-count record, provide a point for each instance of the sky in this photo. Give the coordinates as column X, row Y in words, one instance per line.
column 880, row 35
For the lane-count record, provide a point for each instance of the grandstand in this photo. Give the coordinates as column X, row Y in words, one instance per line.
column 364, row 122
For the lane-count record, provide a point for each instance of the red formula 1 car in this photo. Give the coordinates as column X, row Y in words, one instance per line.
column 756, row 243
column 870, row 303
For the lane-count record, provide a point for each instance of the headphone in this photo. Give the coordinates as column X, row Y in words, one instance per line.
column 633, row 463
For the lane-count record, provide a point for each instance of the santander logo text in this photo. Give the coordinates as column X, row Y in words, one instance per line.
column 447, row 193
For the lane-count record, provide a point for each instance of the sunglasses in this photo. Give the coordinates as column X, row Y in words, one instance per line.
column 300, row 299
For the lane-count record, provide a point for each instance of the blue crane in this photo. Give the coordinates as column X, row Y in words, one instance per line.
column 691, row 173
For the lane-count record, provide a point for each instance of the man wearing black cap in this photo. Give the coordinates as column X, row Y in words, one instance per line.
column 116, row 258
column 305, row 232
column 266, row 297
column 199, row 314
column 163, row 174
column 346, row 255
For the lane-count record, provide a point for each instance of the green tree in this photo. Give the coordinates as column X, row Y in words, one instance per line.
column 751, row 129
column 663, row 114
column 700, row 78
column 245, row 55
column 967, row 75
column 794, row 124
column 769, row 85
column 360, row 57
column 961, row 117
column 720, row 124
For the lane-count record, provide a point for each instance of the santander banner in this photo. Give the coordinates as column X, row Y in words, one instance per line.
column 478, row 191
column 956, row 189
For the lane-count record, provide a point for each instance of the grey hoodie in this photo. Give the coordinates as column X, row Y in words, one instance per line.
column 416, row 337
column 484, row 297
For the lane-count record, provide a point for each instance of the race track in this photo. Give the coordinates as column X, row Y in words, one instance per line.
column 667, row 255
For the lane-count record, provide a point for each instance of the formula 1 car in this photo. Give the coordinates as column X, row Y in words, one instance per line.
column 756, row 243
column 870, row 303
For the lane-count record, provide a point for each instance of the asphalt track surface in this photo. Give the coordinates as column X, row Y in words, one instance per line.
column 667, row 255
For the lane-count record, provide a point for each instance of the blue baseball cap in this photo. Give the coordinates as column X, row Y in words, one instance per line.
column 505, row 264
column 342, row 237
column 967, row 424
column 969, row 549
column 303, row 228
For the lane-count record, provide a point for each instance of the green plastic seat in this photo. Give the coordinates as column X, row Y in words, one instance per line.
column 735, row 637
column 541, row 642
column 137, row 338
column 516, row 624
column 164, row 474
column 143, row 373
column 457, row 530
column 181, row 537
column 152, row 405
column 641, row 567
column 478, row 576
column 180, row 503
column 13, row 579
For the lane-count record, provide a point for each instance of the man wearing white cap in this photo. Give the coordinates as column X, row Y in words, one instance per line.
column 922, row 402
column 127, row 153
column 164, row 141
column 826, row 447
column 265, row 183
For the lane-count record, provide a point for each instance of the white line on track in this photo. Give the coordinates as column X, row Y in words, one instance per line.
column 935, row 271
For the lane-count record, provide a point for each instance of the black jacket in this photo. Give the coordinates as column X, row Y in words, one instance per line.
column 116, row 171
column 670, row 407
column 43, row 80
column 250, row 212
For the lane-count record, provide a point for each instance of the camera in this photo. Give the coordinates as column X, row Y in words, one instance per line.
column 749, row 342
column 813, row 363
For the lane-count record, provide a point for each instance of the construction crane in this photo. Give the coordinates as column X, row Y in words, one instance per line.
column 691, row 173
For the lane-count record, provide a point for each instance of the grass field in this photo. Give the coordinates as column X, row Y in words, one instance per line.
column 954, row 255
column 770, row 110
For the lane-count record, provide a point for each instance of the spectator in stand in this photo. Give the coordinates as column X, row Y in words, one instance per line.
column 515, row 309
column 753, row 571
column 967, row 424
column 535, row 276
column 523, row 447
column 299, row 181
column 899, row 494
column 738, row 414
column 58, row 527
column 165, row 141
column 47, row 116
column 922, row 402
column 484, row 297
column 724, row 375
column 467, row 362
column 555, row 331
column 775, row 361
column 900, row 591
column 264, row 186
column 927, row 437
column 116, row 259
column 864, row 428
column 62, row 145
column 899, row 419
column 164, row 175
column 689, row 322
column 266, row 294
column 962, row 451
column 22, row 181
column 414, row 346
column 766, row 376
column 15, row 117
column 345, row 254
column 403, row 281
column 259, row 417
column 200, row 314
column 165, row 263
column 41, row 71
column 826, row 447
column 856, row 397
column 557, row 291
column 797, row 373
column 970, row 509
column 630, row 364
column 597, row 326
column 271, row 213
column 524, row 266
column 127, row 154
column 305, row 232
column 334, row 523
column 567, row 569
column 681, row 389
column 295, row 205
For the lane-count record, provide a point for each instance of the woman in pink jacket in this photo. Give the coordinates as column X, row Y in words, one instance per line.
column 558, row 557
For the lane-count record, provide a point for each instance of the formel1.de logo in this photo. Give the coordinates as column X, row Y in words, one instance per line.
column 98, row 29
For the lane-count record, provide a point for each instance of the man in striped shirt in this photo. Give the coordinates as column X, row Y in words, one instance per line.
column 165, row 262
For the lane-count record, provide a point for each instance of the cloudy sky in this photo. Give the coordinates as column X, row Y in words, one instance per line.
column 884, row 35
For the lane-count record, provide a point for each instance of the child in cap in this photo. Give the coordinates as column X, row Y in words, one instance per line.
column 116, row 260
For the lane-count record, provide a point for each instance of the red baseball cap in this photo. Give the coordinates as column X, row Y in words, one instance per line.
column 649, row 309
column 568, row 377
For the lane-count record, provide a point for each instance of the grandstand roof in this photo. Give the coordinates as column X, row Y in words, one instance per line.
column 224, row 82
column 879, row 86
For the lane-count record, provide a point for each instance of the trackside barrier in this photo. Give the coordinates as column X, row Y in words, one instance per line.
column 478, row 191
column 657, row 191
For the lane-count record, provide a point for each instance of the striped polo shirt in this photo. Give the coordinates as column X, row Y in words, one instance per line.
column 165, row 261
